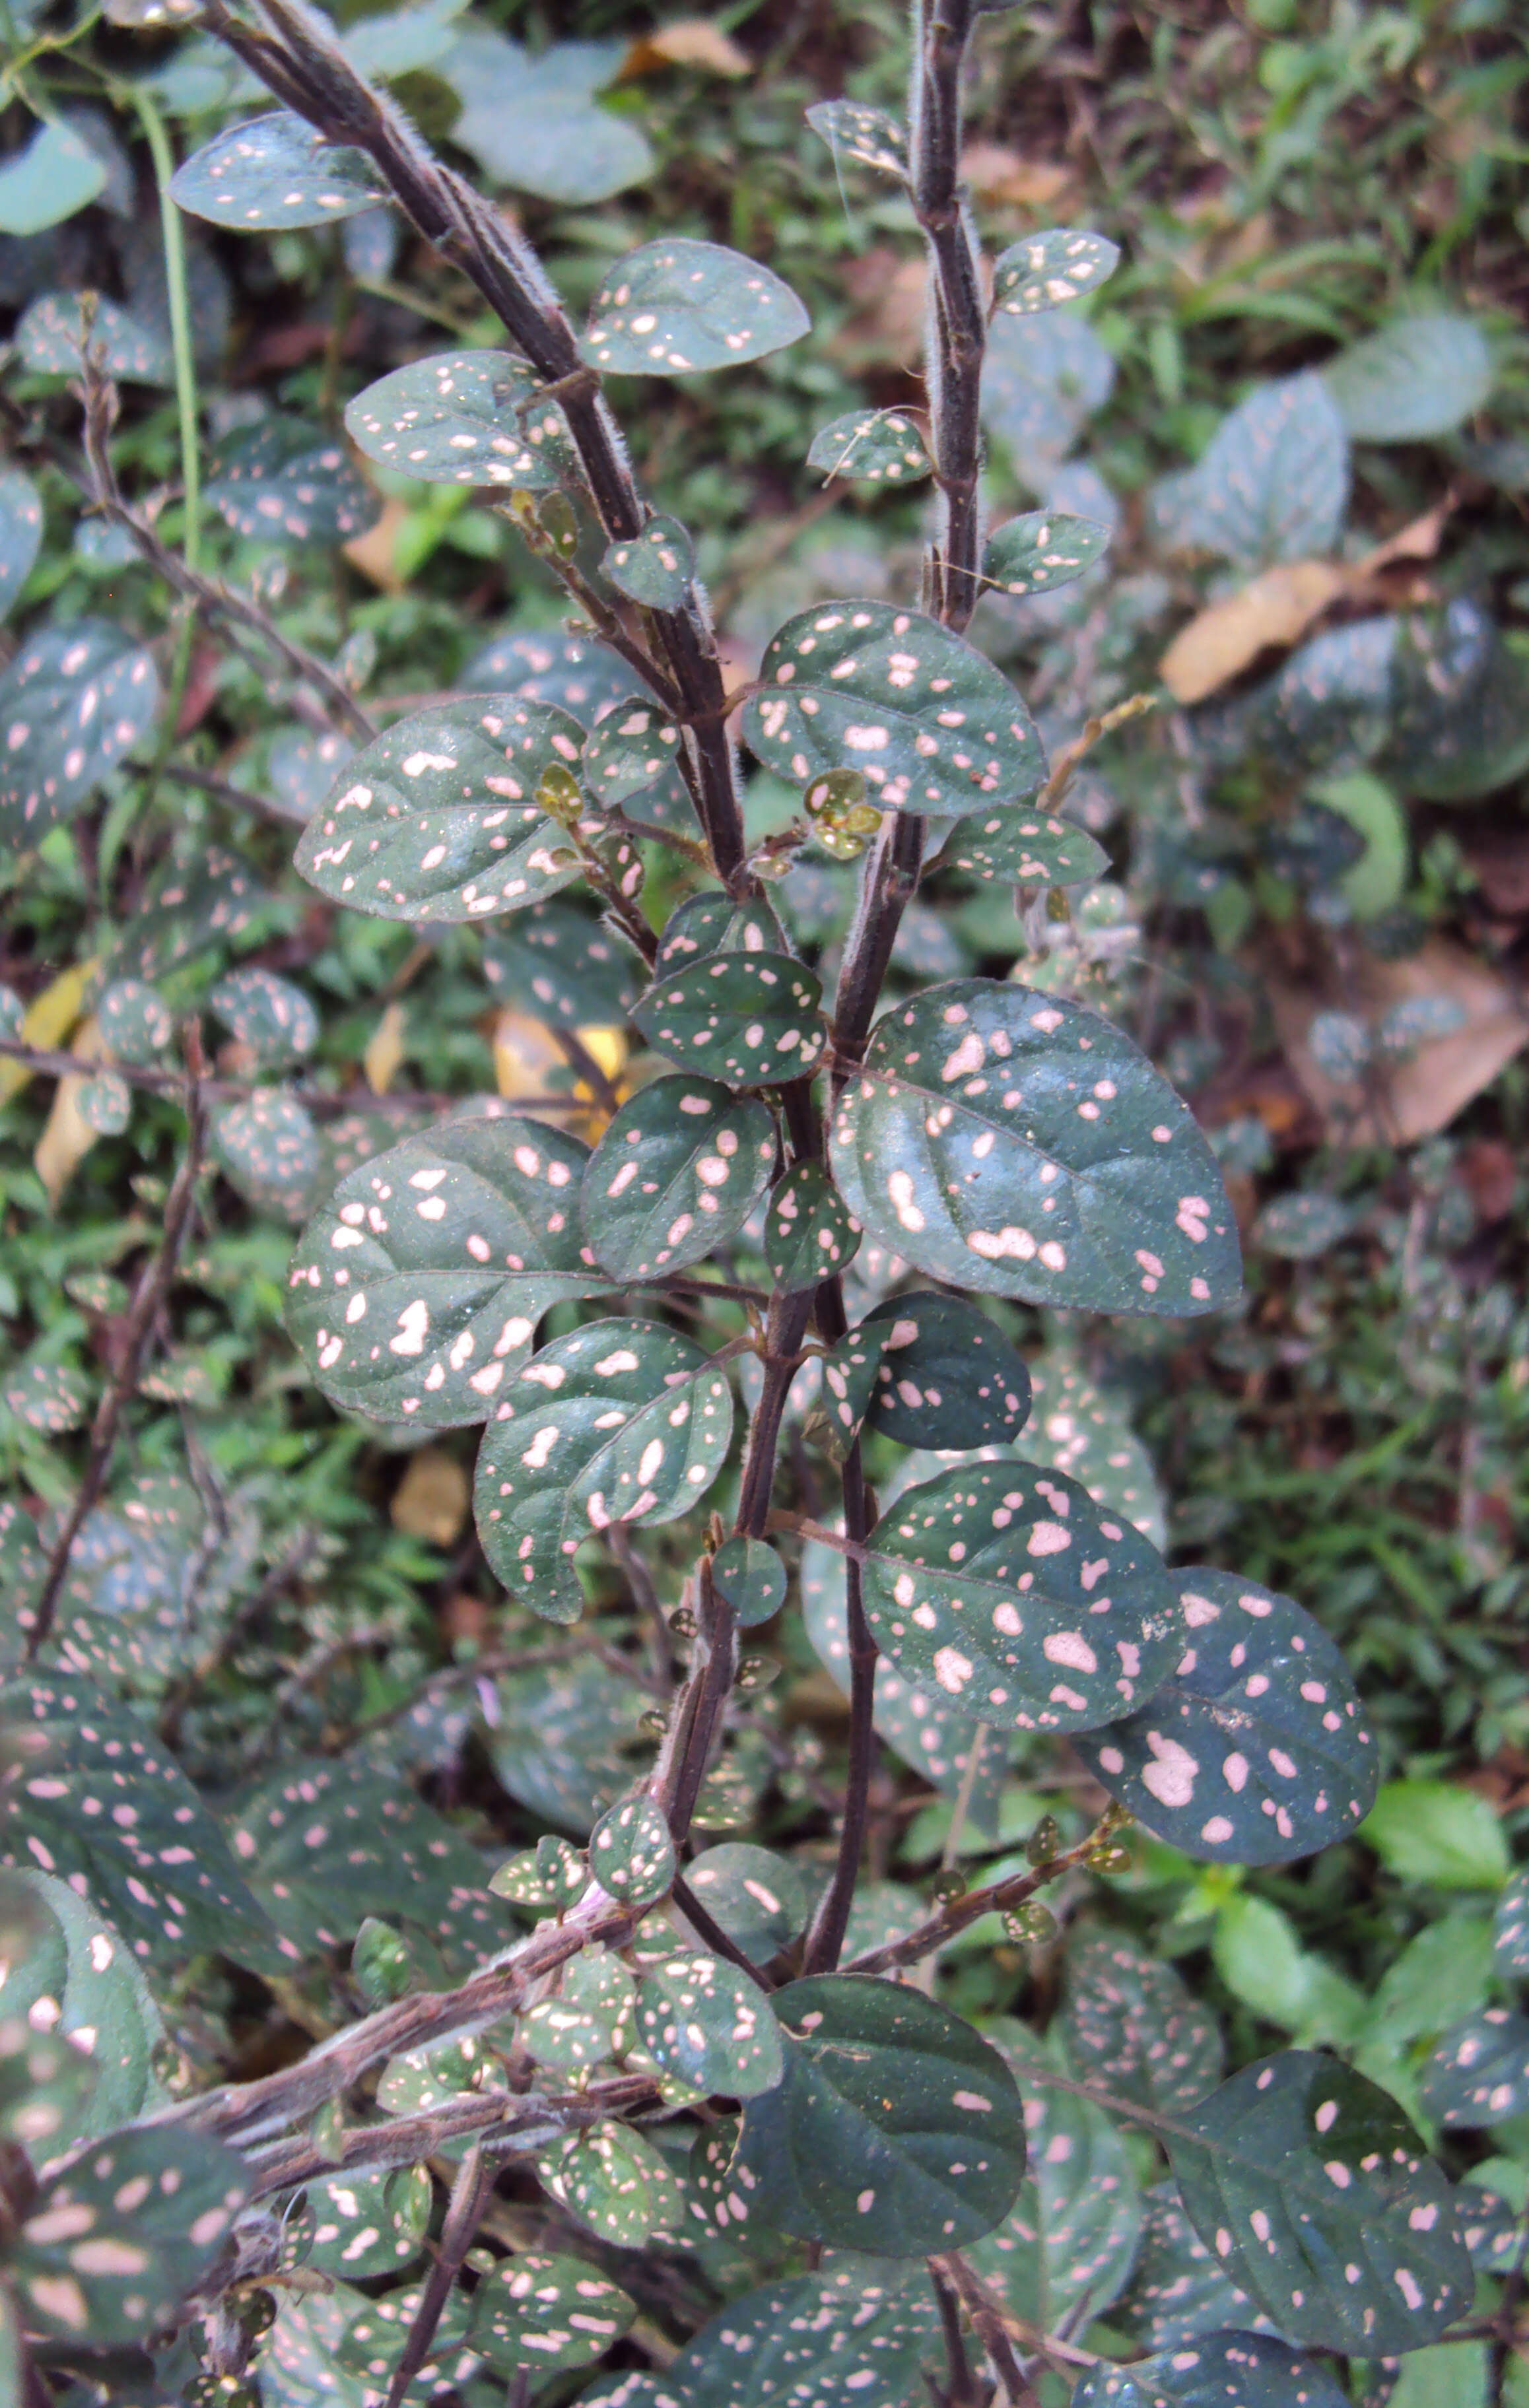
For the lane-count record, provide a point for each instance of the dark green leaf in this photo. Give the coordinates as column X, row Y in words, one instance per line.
column 1307, row 2183
column 437, row 820
column 21, row 530
column 546, row 2312
column 109, row 2249
column 1081, row 1178
column 553, row 959
column 63, row 1968
column 1042, row 378
column 750, row 1577
column 57, row 174
column 758, row 1897
column 854, row 131
column 1511, row 1927
column 930, row 723
column 452, row 1245
column 632, row 1854
column 1300, row 1227
column 1046, row 269
column 301, row 768
column 708, row 2023
column 1023, row 848
column 706, row 924
column 849, row 1378
column 615, row 2182
column 1042, row 551
column 809, row 1233
column 50, row 334
column 1256, row 1752
column 632, row 749
column 373, row 2344
column 571, row 673
column 532, row 123
column 1131, row 2023
column 267, row 1014
column 1249, row 2369
column 1178, row 2286
column 269, row 1149
column 884, row 447
column 558, row 1737
column 1069, row 2240
column 676, row 1174
column 1416, row 377
column 1461, row 699
column 426, row 2078
column 1006, row 1588
column 45, row 2089
column 656, row 568
column 274, row 171
column 753, row 1019
column 1479, row 2074
column 832, row 2340
column 462, row 418
column 74, row 700
column 289, row 482
column 102, row 1801
column 103, row 1103
column 1273, row 483
column 193, row 905
column 895, row 2130
column 1083, row 1430
column 366, row 2224
column 593, row 2017
column 676, row 306
column 947, row 1376
column 621, row 1422
column 135, row 1022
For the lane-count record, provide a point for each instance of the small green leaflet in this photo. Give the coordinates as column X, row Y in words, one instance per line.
column 1085, row 1431
column 709, row 924
column 709, row 2025
column 51, row 334
column 854, row 131
column 1272, row 484
column 105, row 1103
column 1046, row 269
column 632, row 1854
column 423, row 2078
column 884, row 447
column 1079, row 1177
column 1252, row 2370
column 754, row 1019
column 274, row 171
column 633, row 748
column 74, row 702
column 837, row 2339
column 437, row 821
column 749, row 1575
column 929, row 724
column 553, row 1873
column 573, row 673
column 1256, row 1752
column 546, row 2312
column 677, row 306
column 135, row 1022
column 1023, row 848
column 415, row 1292
column 757, row 1897
column 266, row 1014
column 1306, row 2182
column 45, row 1397
column 287, row 481
column 462, row 418
column 66, row 1970
column 1070, row 2238
column 373, row 2344
column 895, row 2130
column 366, row 2223
column 165, row 1879
column 268, row 1147
column 613, row 2180
column 1479, row 2074
column 1418, row 377
column 809, row 1232
column 1042, row 551
column 849, row 1379
column 57, row 174
column 1179, row 2287
column 948, row 1376
column 590, row 2019
column 676, row 1174
column 622, row 1422
column 1511, row 1927
column 1006, row 1589
column 109, row 2249
column 45, row 2087
column 656, row 568
column 21, row 532
column 1131, row 2023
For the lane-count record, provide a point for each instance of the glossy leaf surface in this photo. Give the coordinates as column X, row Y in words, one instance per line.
column 753, row 1019
column 706, row 2022
column 676, row 306
column 1046, row 269
column 272, row 172
column 809, row 1233
column 676, row 1174
column 882, row 447
column 74, row 700
column 1043, row 551
column 462, row 418
column 653, row 569
column 1132, row 2024
column 948, row 1376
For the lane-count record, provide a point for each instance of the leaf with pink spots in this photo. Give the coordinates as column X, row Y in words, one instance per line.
column 1256, row 1752
column 676, row 1174
column 1017, row 1144
column 1069, row 2240
column 73, row 702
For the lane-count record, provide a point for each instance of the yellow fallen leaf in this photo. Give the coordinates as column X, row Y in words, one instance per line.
column 48, row 1022
column 1276, row 608
column 690, row 42
column 431, row 1499
column 386, row 1050
column 375, row 553
column 526, row 1055
column 607, row 1047
column 995, row 173
column 66, row 1136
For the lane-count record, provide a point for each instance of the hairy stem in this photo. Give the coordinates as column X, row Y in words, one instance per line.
column 470, row 2192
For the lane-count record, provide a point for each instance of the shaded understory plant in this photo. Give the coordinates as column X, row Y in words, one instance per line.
column 706, row 2133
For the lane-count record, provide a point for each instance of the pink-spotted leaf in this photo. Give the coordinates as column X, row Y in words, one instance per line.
column 287, row 481
column 1086, row 1431
column 135, row 1022
column 546, row 2312
column 270, row 1017
column 273, row 172
column 415, row 1292
column 838, row 2339
column 809, row 1231
column 373, row 2343
column 653, row 569
column 896, row 2130
column 591, row 2018
column 1005, row 1588
column 111, row 2246
column 268, row 1147
column 1043, row 270
column 556, row 962
column 849, row 1372
column 853, row 130
column 1043, row 551
column 1272, row 484
column 758, row 1899
column 676, row 1174
column 1129, row 2022
column 47, row 1397
column 1511, row 1927
column 708, row 2023
column 1256, row 1751
column 948, row 1376
column 1014, row 1143
column 676, row 306
column 624, row 1421
column 438, row 820
column 709, row 924
column 1024, row 848
column 571, row 673
column 1310, row 2186
column 751, row 1019
column 613, row 2181
column 462, row 418
column 1478, row 2073
column 46, row 2085
column 749, row 1576
column 74, row 702
column 930, row 723
column 1071, row 2236
column 70, row 1974
column 632, row 1854
column 20, row 533
column 1223, row 2368
column 882, row 447
column 366, row 2223
column 1178, row 2286
column 53, row 334
column 634, row 750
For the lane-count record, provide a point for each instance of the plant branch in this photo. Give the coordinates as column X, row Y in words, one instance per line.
column 996, row 1898
column 959, row 332
column 960, row 2388
column 470, row 2192
column 991, row 2320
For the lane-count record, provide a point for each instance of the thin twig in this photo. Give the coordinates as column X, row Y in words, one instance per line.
column 711, row 1932
column 996, row 1898
column 960, row 2388
column 473, row 2184
column 280, row 1577
column 988, row 2318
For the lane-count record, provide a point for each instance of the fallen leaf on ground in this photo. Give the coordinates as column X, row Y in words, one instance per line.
column 997, row 174
column 375, row 553
column 386, row 1050
column 431, row 1499
column 691, row 42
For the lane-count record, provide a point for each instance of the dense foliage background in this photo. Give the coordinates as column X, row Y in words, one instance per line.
column 1301, row 407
